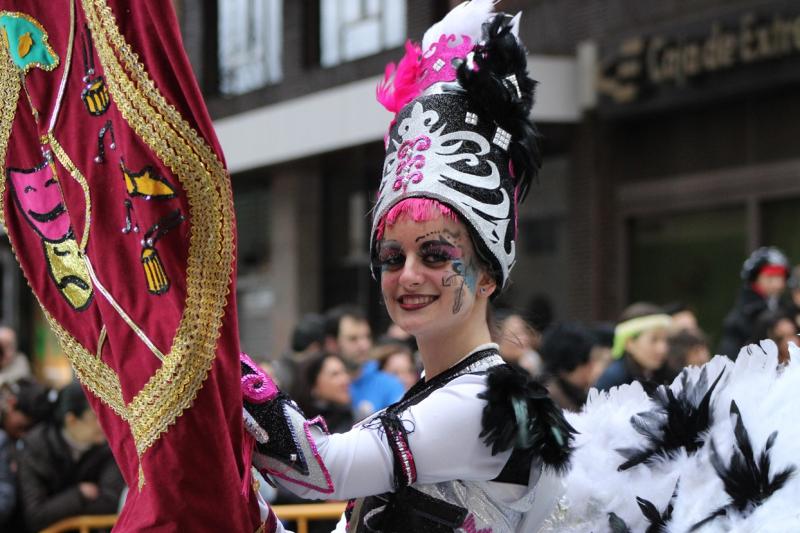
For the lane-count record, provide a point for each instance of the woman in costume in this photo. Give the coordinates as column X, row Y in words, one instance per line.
column 474, row 445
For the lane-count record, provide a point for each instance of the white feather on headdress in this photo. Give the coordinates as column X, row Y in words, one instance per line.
column 466, row 18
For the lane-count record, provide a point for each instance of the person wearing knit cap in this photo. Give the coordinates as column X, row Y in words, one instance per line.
column 640, row 346
column 474, row 445
column 764, row 275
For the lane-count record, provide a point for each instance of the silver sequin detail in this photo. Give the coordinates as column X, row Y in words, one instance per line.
column 438, row 65
column 471, row 118
column 502, row 138
column 512, row 80
column 254, row 429
column 318, row 477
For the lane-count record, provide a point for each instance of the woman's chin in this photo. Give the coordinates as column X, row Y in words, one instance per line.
column 415, row 324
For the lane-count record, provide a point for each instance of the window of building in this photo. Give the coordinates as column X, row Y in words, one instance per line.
column 351, row 29
column 255, row 283
column 250, row 44
column 691, row 257
column 779, row 226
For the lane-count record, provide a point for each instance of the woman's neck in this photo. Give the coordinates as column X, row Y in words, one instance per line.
column 442, row 350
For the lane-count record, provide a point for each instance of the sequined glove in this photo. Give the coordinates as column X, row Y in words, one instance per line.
column 284, row 447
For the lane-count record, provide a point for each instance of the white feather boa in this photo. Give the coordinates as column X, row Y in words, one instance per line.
column 768, row 397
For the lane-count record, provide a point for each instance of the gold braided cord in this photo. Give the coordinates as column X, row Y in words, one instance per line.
column 67, row 163
column 101, row 341
column 175, row 385
column 9, row 94
column 89, row 368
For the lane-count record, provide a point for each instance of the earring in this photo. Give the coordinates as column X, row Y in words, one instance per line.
column 483, row 290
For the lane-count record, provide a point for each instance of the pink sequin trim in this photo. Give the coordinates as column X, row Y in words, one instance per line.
column 399, row 85
column 318, row 421
column 258, row 387
column 437, row 61
column 406, row 458
column 416, row 71
column 470, row 527
column 410, row 162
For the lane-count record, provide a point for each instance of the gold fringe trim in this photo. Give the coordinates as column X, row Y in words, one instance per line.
column 9, row 95
column 175, row 385
column 67, row 163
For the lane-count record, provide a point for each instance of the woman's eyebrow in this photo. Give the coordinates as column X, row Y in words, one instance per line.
column 389, row 244
column 440, row 243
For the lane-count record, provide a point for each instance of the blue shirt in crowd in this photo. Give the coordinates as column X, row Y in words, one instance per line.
column 374, row 390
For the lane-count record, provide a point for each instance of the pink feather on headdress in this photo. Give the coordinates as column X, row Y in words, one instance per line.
column 399, row 85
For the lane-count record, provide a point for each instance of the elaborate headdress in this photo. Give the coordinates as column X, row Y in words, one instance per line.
column 462, row 132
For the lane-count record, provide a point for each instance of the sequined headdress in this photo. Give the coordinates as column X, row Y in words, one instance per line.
column 462, row 132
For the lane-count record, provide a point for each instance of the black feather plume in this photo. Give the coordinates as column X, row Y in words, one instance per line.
column 658, row 520
column 520, row 414
column 617, row 524
column 498, row 84
column 677, row 422
column 747, row 480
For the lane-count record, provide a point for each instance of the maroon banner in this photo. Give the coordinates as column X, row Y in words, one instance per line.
column 118, row 207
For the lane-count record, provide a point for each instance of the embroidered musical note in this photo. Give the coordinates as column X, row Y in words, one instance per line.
column 95, row 94
column 108, row 127
column 129, row 226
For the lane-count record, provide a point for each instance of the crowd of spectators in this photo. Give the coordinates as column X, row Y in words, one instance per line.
column 54, row 460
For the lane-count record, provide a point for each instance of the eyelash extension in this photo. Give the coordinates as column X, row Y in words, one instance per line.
column 388, row 259
column 446, row 252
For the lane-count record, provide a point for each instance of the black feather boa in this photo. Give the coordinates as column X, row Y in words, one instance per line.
column 497, row 57
column 658, row 520
column 677, row 422
column 519, row 414
column 748, row 478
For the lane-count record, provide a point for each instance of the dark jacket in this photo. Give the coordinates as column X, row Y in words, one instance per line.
column 8, row 484
column 565, row 394
column 338, row 418
column 740, row 323
column 49, row 478
column 625, row 370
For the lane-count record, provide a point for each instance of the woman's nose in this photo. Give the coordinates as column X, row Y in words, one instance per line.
column 411, row 273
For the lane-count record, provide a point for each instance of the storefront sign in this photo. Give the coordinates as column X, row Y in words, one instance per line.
column 740, row 52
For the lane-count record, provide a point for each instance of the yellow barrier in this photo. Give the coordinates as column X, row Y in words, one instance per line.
column 305, row 512
column 302, row 514
column 82, row 524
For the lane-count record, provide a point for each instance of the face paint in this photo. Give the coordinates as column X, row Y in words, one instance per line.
column 390, row 256
column 451, row 279
column 39, row 198
column 439, row 251
column 471, row 277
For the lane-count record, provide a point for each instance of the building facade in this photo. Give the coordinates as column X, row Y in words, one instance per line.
column 306, row 147
column 669, row 133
